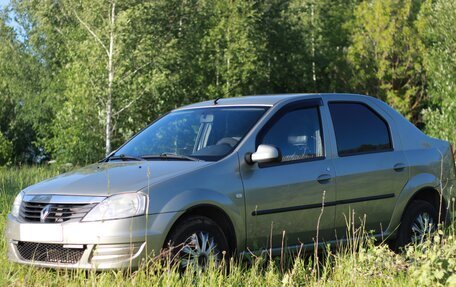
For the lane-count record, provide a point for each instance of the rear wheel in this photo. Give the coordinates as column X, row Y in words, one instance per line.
column 420, row 220
column 195, row 241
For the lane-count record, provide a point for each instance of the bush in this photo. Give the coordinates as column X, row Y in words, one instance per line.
column 6, row 150
column 442, row 123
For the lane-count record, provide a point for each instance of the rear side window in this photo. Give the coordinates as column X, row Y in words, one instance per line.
column 359, row 129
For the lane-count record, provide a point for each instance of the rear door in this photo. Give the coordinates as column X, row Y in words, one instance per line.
column 284, row 199
column 370, row 169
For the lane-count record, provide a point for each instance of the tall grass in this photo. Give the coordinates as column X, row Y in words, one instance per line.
column 360, row 263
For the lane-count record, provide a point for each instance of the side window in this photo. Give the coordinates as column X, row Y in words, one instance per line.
column 359, row 129
column 297, row 134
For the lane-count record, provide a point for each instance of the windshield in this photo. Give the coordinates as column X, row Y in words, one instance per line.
column 204, row 134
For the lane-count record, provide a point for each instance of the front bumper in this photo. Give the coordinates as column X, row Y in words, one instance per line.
column 111, row 244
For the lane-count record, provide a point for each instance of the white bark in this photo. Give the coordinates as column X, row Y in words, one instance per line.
column 312, row 19
column 110, row 67
column 109, row 125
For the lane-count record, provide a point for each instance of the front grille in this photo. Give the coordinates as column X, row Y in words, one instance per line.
column 52, row 253
column 54, row 213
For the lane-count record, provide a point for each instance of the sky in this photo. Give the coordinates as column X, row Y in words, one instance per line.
column 3, row 3
column 11, row 23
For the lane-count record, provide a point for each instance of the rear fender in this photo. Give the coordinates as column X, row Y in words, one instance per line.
column 415, row 184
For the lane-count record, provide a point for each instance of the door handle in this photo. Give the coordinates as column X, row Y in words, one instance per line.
column 324, row 178
column 399, row 167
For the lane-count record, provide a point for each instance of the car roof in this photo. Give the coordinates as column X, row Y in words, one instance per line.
column 267, row 100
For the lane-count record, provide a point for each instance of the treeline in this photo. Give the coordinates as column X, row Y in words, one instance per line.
column 78, row 78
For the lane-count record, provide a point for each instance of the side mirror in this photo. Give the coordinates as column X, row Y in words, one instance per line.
column 264, row 153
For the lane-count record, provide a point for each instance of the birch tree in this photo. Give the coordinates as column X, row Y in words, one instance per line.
column 232, row 50
column 109, row 49
column 86, row 75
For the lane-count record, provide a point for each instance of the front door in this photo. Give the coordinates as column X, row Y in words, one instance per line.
column 284, row 199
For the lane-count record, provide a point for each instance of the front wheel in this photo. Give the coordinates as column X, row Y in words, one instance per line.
column 420, row 220
column 195, row 241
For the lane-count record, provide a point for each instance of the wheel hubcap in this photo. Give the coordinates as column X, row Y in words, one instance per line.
column 422, row 226
column 198, row 249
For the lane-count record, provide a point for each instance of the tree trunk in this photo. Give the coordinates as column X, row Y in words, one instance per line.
column 312, row 19
column 109, row 124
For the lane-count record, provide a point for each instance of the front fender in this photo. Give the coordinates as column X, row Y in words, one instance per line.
column 218, row 185
column 189, row 199
column 416, row 183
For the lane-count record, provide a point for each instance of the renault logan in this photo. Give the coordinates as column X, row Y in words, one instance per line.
column 236, row 175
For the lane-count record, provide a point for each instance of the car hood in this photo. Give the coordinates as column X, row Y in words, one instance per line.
column 109, row 178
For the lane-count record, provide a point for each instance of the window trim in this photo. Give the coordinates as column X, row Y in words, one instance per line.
column 290, row 107
column 375, row 113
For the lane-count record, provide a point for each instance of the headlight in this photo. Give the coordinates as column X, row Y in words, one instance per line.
column 118, row 206
column 17, row 204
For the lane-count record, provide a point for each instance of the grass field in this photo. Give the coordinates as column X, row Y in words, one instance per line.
column 359, row 264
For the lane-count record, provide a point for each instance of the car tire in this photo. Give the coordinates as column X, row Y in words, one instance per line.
column 419, row 220
column 195, row 240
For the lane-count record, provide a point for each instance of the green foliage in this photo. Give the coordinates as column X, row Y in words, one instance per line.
column 232, row 50
column 306, row 45
column 289, row 33
column 441, row 122
column 6, row 150
column 59, row 95
column 386, row 54
column 439, row 34
column 437, row 261
column 18, row 87
column 76, row 131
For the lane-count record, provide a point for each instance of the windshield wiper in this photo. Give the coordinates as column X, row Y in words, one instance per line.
column 168, row 155
column 125, row 157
